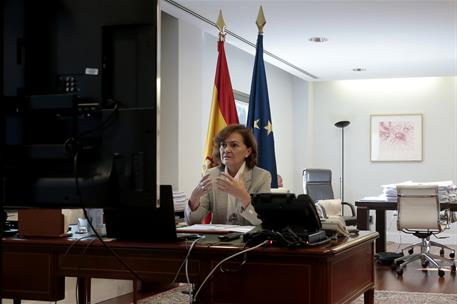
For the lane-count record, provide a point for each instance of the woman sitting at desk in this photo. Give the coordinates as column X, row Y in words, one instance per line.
column 225, row 190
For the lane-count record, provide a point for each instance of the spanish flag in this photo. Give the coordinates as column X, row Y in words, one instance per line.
column 223, row 109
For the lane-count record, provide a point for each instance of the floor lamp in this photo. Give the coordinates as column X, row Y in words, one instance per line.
column 342, row 124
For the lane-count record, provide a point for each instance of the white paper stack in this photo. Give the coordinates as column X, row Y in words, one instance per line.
column 390, row 191
column 179, row 200
column 447, row 190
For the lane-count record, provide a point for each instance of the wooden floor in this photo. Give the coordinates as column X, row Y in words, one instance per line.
column 414, row 278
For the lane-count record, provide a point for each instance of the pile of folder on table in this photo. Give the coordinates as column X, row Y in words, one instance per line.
column 179, row 200
column 447, row 192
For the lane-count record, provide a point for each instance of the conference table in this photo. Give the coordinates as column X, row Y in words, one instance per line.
column 35, row 269
column 380, row 205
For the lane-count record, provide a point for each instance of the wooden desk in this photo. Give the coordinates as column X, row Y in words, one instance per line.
column 380, row 206
column 35, row 269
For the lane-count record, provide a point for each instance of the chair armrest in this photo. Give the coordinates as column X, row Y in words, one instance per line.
column 350, row 206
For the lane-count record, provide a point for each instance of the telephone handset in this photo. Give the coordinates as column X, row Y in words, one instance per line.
column 312, row 220
column 332, row 223
column 335, row 224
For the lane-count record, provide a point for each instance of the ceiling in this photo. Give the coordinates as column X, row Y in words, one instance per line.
column 388, row 39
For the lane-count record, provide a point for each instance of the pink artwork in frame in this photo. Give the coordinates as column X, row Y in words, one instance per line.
column 396, row 137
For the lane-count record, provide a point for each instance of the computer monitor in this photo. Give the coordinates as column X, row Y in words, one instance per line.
column 108, row 161
column 79, row 107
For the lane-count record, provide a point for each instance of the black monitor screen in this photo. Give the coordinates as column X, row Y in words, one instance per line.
column 98, row 49
column 108, row 162
column 78, row 104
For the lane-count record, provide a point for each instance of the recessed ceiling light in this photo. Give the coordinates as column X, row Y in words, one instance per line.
column 318, row 39
column 359, row 70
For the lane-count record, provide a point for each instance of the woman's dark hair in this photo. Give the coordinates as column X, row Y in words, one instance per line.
column 248, row 140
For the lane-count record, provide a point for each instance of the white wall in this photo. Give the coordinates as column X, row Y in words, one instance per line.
column 355, row 100
column 197, row 57
column 168, row 111
column 301, row 133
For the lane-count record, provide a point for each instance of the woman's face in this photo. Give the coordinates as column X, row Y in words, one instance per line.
column 233, row 151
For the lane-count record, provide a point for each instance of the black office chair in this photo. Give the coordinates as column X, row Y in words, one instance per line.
column 317, row 183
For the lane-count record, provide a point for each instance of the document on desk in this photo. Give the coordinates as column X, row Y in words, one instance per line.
column 379, row 198
column 214, row 228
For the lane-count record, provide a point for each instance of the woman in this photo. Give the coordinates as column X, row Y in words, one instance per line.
column 225, row 190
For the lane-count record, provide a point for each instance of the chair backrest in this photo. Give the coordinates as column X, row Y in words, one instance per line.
column 418, row 208
column 317, row 183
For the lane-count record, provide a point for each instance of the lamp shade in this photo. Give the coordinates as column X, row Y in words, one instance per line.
column 342, row 124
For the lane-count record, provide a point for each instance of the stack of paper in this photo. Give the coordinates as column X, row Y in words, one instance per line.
column 390, row 190
column 447, row 190
column 179, row 200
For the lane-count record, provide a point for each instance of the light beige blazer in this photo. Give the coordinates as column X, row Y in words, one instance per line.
column 256, row 180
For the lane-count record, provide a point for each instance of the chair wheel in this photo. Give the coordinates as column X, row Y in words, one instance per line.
column 441, row 273
column 453, row 269
column 425, row 264
column 411, row 251
column 452, row 255
column 399, row 271
column 442, row 252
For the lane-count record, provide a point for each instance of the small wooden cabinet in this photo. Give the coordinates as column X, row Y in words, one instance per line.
column 31, row 273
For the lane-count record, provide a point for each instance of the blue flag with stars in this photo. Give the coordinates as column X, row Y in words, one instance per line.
column 259, row 117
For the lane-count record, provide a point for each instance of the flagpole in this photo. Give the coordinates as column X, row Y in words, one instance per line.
column 260, row 20
column 220, row 24
column 208, row 161
column 223, row 108
column 259, row 114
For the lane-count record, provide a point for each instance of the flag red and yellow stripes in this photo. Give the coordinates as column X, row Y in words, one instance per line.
column 223, row 109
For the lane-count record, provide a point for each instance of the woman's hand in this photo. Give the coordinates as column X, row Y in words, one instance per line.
column 228, row 184
column 203, row 187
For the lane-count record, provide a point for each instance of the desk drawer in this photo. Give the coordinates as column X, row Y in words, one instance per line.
column 31, row 276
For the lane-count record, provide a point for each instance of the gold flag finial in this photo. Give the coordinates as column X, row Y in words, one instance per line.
column 220, row 23
column 260, row 20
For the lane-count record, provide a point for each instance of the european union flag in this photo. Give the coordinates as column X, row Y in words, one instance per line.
column 259, row 117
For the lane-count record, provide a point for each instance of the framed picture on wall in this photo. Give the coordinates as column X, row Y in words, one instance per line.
column 396, row 137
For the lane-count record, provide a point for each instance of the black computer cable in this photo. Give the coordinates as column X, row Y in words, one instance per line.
column 185, row 263
column 76, row 242
column 104, row 123
column 77, row 271
column 194, row 300
column 239, row 267
column 79, row 194
column 190, row 288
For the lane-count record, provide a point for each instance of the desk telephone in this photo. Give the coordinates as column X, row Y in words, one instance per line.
column 287, row 220
column 331, row 223
column 336, row 225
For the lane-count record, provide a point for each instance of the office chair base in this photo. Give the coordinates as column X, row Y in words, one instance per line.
column 452, row 251
column 427, row 244
column 426, row 257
